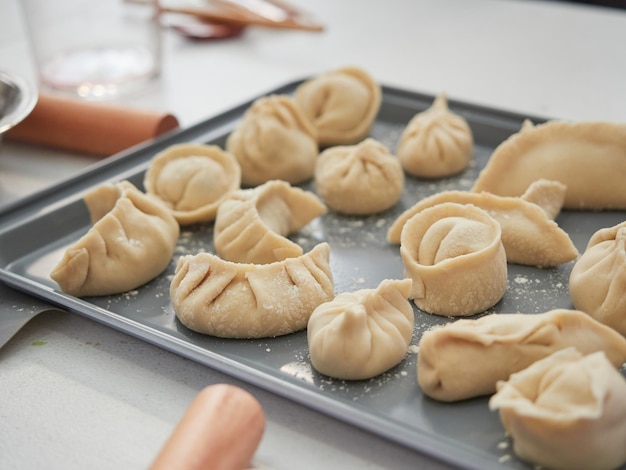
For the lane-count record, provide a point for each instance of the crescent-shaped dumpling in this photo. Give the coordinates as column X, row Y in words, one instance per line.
column 566, row 412
column 252, row 224
column 529, row 236
column 359, row 179
column 455, row 257
column 436, row 142
column 274, row 140
column 342, row 105
column 467, row 357
column 588, row 157
column 233, row 300
column 361, row 334
column 597, row 283
column 192, row 180
column 131, row 242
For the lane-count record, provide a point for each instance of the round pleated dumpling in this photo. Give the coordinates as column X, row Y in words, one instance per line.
column 436, row 142
column 192, row 180
column 131, row 242
column 237, row 300
column 361, row 334
column 359, row 179
column 455, row 257
column 566, row 412
column 274, row 140
column 252, row 225
column 598, row 279
column 342, row 104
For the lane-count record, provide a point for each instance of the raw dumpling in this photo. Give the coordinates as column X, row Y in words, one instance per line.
column 454, row 255
column 192, row 180
column 529, row 236
column 466, row 358
column 274, row 140
column 361, row 334
column 436, row 142
column 341, row 104
column 597, row 283
column 233, row 300
column 588, row 157
column 566, row 412
column 252, row 224
column 359, row 179
column 131, row 242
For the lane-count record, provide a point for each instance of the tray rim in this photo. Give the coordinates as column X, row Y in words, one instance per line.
column 64, row 192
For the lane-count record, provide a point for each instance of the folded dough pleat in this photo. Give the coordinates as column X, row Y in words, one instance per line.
column 588, row 157
column 566, row 412
column 131, row 242
column 233, row 300
column 466, row 358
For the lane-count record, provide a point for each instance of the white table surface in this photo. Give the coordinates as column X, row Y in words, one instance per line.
column 75, row 394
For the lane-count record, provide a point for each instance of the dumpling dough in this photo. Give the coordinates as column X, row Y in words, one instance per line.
column 597, row 283
column 588, row 157
column 252, row 224
column 342, row 105
column 232, row 300
column 361, row 334
column 192, row 180
column 131, row 242
column 436, row 142
column 529, row 235
column 454, row 255
column 566, row 412
column 359, row 179
column 274, row 140
column 466, row 358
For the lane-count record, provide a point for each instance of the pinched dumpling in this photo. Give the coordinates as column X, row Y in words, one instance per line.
column 436, row 142
column 274, row 140
column 361, row 334
column 192, row 180
column 359, row 179
column 597, row 283
column 588, row 157
column 529, row 235
column 233, row 300
column 454, row 255
column 466, row 358
column 342, row 105
column 566, row 412
column 252, row 224
column 131, row 242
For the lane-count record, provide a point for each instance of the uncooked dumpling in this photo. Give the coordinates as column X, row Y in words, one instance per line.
column 233, row 300
column 436, row 142
column 192, row 180
column 274, row 140
column 341, row 104
column 359, row 179
column 566, row 412
column 466, row 358
column 131, row 242
column 597, row 282
column 454, row 255
column 252, row 224
column 361, row 334
column 588, row 157
column 529, row 236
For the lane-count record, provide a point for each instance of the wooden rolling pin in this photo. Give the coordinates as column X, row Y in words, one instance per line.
column 88, row 127
column 220, row 430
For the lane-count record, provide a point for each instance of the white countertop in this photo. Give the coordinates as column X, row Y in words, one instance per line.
column 76, row 394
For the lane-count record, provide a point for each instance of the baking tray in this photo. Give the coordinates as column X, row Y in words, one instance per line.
column 35, row 232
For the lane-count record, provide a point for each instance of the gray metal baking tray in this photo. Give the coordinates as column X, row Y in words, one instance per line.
column 35, row 231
